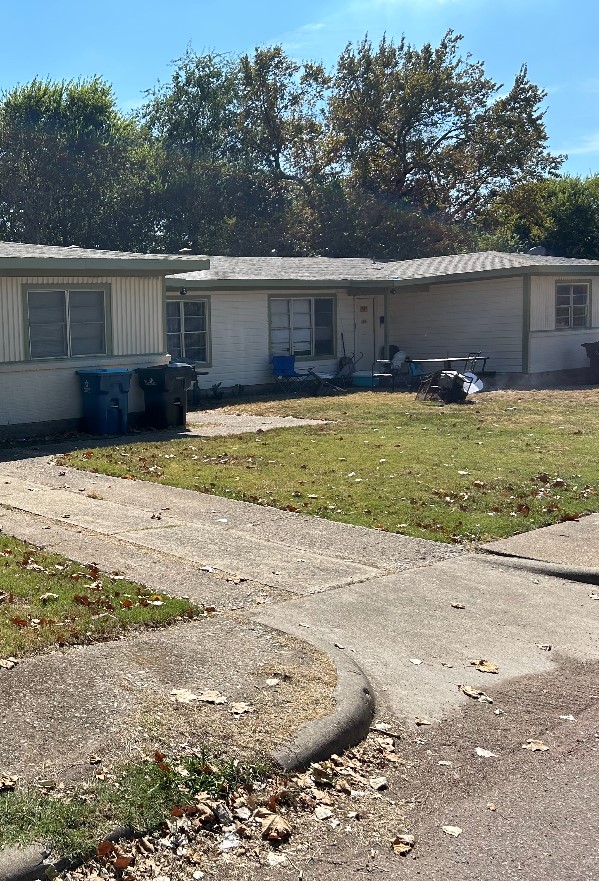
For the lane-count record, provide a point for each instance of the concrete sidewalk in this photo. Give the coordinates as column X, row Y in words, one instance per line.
column 384, row 598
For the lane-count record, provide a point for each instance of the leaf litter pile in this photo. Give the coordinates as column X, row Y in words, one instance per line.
column 48, row 602
column 504, row 463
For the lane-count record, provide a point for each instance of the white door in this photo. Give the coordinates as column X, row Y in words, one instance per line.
column 364, row 332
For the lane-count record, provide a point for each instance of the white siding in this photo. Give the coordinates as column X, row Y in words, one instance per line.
column 542, row 301
column 240, row 337
column 136, row 313
column 44, row 391
column 456, row 318
column 550, row 348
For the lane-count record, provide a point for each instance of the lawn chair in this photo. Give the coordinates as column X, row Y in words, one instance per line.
column 335, row 382
column 470, row 362
column 428, row 387
column 391, row 368
column 418, row 373
column 289, row 380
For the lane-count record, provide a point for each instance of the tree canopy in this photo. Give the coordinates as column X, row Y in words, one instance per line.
column 398, row 152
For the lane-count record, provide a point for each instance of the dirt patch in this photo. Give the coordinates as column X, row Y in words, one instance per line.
column 114, row 701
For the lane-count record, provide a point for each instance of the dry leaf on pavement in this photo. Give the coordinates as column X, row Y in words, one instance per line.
column 240, row 707
column 212, row 696
column 458, row 606
column 403, row 844
column 477, row 694
column 481, row 752
column 183, row 696
column 452, row 830
column 276, row 828
column 8, row 663
column 420, row 721
column 535, row 744
column 485, row 666
column 379, row 783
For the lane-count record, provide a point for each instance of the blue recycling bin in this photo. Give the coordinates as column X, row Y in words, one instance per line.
column 165, row 394
column 105, row 394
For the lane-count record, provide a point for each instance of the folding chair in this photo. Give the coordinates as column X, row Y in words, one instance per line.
column 286, row 375
column 429, row 386
column 418, row 373
column 470, row 361
column 392, row 367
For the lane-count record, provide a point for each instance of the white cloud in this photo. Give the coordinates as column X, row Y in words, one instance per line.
column 589, row 144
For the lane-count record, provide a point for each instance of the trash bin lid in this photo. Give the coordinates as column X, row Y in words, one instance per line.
column 109, row 369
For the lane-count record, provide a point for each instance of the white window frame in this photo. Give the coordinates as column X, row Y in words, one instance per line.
column 66, row 290
column 289, row 349
column 559, row 324
column 184, row 299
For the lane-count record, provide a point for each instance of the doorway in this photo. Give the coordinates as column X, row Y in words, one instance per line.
column 364, row 332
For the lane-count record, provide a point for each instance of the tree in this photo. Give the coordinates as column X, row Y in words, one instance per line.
column 429, row 127
column 561, row 215
column 71, row 166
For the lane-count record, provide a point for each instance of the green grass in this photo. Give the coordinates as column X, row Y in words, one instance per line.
column 139, row 796
column 47, row 601
column 499, row 465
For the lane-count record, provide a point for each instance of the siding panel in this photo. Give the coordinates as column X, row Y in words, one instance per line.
column 457, row 318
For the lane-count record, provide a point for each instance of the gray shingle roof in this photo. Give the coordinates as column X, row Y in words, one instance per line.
column 363, row 270
column 30, row 255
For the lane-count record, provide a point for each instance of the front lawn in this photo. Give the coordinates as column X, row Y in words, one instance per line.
column 498, row 465
column 47, row 601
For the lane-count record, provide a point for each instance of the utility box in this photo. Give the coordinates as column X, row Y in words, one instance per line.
column 165, row 395
column 105, row 394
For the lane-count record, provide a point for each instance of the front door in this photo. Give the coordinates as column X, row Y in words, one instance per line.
column 364, row 332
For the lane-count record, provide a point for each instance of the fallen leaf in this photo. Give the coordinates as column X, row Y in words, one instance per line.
column 379, row 783
column 212, row 696
column 535, row 744
column 47, row 598
column 276, row 858
column 594, row 596
column 491, row 807
column 105, row 848
column 452, row 830
column 481, row 752
column 240, row 707
column 403, row 844
column 566, row 717
column 7, row 782
column 323, row 812
column 546, row 647
column 8, row 663
column 477, row 694
column 276, row 828
column 123, row 861
column 486, row 667
column 458, row 606
column 421, row 722
column 183, row 696
column 416, row 661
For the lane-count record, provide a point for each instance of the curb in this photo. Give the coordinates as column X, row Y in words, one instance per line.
column 346, row 726
column 25, row 862
column 581, row 574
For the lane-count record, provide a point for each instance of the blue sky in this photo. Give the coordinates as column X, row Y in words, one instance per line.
column 132, row 42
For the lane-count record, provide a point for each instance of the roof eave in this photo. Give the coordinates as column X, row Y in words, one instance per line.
column 123, row 265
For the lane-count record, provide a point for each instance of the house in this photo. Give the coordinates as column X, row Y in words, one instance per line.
column 528, row 314
column 66, row 308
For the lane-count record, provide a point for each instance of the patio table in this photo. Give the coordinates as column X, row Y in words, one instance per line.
column 447, row 361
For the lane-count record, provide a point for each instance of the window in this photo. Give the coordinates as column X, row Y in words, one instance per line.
column 303, row 327
column 571, row 305
column 66, row 322
column 187, row 330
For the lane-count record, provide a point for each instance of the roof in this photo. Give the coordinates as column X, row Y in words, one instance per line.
column 361, row 271
column 30, row 256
